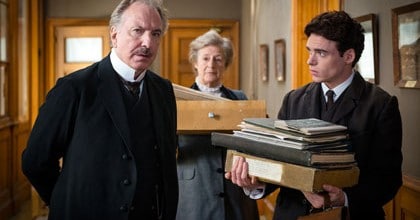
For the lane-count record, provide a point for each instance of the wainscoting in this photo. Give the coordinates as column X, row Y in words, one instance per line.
column 15, row 190
column 407, row 202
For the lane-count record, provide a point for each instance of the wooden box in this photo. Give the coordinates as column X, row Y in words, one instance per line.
column 205, row 116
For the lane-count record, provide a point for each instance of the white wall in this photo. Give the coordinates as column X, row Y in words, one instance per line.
column 220, row 9
column 270, row 22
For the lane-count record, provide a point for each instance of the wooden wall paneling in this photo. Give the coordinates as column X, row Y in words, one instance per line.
column 6, row 203
column 14, row 188
column 18, row 128
column 407, row 201
column 20, row 185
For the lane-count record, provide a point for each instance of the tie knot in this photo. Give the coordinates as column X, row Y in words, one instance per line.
column 133, row 84
column 330, row 94
column 133, row 87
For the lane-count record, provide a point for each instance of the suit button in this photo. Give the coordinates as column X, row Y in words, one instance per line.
column 126, row 182
column 156, row 147
column 131, row 208
column 221, row 194
column 219, row 170
column 124, row 157
column 304, row 201
column 124, row 208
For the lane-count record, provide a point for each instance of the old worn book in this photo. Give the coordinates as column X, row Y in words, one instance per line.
column 309, row 126
column 301, row 145
column 317, row 157
column 185, row 93
column 266, row 125
column 294, row 176
column 245, row 127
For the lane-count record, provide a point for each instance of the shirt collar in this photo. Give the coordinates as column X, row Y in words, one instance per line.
column 338, row 90
column 125, row 71
column 210, row 90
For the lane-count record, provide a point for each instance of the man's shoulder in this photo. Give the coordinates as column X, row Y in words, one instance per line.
column 158, row 84
column 156, row 78
column 375, row 92
column 308, row 88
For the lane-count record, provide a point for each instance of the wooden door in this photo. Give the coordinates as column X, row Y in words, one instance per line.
column 174, row 63
column 302, row 12
column 73, row 44
column 88, row 43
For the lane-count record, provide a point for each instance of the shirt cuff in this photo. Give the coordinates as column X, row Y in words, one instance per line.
column 256, row 193
column 346, row 201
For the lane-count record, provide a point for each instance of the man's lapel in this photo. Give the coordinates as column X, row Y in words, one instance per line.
column 350, row 98
column 312, row 105
column 111, row 95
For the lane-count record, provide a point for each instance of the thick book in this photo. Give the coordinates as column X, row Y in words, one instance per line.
column 294, row 176
column 309, row 126
column 301, row 145
column 317, row 157
column 267, row 125
column 301, row 141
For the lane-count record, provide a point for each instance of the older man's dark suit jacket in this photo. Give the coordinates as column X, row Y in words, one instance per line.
column 374, row 124
column 84, row 121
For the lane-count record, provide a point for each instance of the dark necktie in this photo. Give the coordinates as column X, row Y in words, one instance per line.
column 133, row 87
column 330, row 101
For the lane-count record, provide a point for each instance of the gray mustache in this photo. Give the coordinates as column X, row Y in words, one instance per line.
column 144, row 51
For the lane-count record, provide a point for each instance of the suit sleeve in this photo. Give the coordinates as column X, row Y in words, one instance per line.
column 49, row 138
column 380, row 176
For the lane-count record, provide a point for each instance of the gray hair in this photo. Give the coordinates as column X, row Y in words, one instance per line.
column 124, row 4
column 211, row 37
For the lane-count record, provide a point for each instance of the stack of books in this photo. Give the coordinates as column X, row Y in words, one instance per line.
column 302, row 154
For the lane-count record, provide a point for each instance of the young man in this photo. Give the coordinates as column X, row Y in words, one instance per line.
column 118, row 148
column 335, row 44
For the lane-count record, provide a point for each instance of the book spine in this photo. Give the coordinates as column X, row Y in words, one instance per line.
column 262, row 149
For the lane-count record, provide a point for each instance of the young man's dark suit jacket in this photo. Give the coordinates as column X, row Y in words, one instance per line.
column 374, row 124
column 84, row 121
